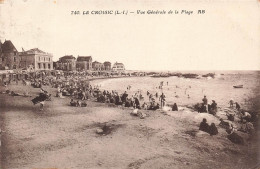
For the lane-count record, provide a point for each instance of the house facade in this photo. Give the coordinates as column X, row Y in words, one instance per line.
column 118, row 67
column 107, row 66
column 66, row 63
column 9, row 56
column 37, row 59
column 97, row 66
column 84, row 63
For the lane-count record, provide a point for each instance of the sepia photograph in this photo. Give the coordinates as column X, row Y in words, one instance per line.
column 129, row 84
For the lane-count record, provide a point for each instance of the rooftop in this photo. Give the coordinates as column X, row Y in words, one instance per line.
column 67, row 57
column 34, row 51
column 8, row 46
column 84, row 58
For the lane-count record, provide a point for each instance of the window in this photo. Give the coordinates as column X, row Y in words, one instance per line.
column 14, row 59
column 44, row 59
column 39, row 65
column 49, row 66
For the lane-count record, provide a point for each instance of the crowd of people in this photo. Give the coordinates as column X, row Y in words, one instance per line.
column 79, row 89
column 245, row 123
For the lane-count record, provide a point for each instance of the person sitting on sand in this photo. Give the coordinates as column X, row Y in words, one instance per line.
column 214, row 105
column 83, row 104
column 154, row 106
column 245, row 116
column 174, row 107
column 230, row 130
column 78, row 104
column 204, row 126
column 231, row 117
column 213, row 129
column 213, row 108
column 73, row 103
column 128, row 103
column 224, row 124
column 145, row 106
column 246, row 127
column 15, row 94
column 157, row 106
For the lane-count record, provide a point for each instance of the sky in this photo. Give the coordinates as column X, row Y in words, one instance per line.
column 226, row 37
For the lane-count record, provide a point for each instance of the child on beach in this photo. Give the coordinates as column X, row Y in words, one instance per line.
column 231, row 103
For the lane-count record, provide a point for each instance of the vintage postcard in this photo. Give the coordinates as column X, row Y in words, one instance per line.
column 141, row 84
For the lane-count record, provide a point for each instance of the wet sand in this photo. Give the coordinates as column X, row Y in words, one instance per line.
column 65, row 137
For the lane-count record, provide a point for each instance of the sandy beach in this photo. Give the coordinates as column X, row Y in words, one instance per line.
column 62, row 137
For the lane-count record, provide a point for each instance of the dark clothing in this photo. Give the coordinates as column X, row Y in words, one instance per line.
column 237, row 106
column 73, row 103
column 231, row 117
column 83, row 104
column 127, row 104
column 137, row 103
column 224, row 124
column 213, row 106
column 204, row 127
column 213, row 130
column 235, row 138
column 40, row 98
column 123, row 98
column 175, row 107
column 205, row 101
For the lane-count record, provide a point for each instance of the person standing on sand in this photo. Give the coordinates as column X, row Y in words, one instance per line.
column 156, row 94
column 162, row 99
column 150, row 97
column 237, row 106
column 231, row 103
column 205, row 102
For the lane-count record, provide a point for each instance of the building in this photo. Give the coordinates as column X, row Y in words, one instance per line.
column 118, row 67
column 84, row 63
column 10, row 58
column 66, row 63
column 37, row 59
column 107, row 66
column 97, row 66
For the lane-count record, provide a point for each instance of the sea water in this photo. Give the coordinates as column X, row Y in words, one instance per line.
column 186, row 91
